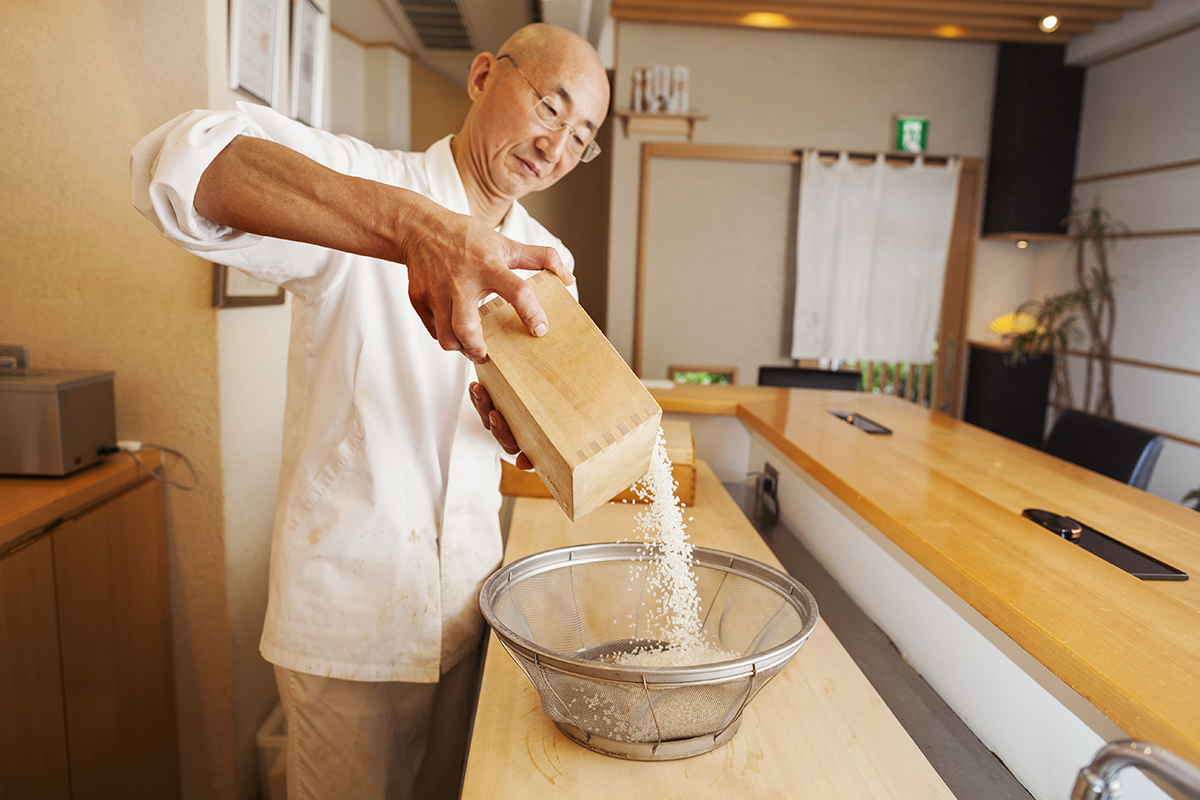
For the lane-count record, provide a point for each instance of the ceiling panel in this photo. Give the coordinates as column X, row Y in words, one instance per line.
column 990, row 20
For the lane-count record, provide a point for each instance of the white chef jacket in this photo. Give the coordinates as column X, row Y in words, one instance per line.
column 386, row 519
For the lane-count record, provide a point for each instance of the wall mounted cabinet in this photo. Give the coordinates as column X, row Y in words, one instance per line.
column 1035, row 130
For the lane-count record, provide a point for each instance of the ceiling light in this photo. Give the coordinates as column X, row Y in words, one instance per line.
column 766, row 19
column 949, row 31
column 1022, row 244
column 1049, row 23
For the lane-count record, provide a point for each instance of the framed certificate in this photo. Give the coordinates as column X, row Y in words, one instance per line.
column 308, row 61
column 253, row 47
column 234, row 289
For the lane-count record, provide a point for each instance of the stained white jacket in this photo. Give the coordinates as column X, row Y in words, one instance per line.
column 387, row 514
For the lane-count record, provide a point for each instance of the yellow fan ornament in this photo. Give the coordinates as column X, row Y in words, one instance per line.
column 1013, row 324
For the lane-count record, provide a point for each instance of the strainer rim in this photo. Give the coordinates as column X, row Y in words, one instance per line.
column 788, row 588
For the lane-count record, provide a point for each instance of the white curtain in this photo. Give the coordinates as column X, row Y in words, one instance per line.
column 871, row 258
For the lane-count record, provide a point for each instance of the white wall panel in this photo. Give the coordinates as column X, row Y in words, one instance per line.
column 716, row 266
column 1157, row 298
column 1142, row 109
column 1153, row 201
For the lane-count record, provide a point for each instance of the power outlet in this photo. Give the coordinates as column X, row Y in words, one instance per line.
column 770, row 483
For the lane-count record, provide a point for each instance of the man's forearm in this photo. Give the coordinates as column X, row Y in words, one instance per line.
column 262, row 187
column 453, row 260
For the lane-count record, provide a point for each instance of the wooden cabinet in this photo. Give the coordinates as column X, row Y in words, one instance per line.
column 86, row 673
column 1008, row 399
column 33, row 731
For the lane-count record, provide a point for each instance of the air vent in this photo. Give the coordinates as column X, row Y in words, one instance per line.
column 438, row 24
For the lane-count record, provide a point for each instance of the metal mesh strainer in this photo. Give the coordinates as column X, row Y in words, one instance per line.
column 564, row 614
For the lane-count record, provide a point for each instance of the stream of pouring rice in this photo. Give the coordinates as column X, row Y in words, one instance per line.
column 671, row 580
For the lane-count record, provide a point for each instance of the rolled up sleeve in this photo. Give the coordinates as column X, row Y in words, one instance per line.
column 166, row 168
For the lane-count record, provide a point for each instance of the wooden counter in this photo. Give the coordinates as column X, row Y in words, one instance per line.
column 28, row 505
column 817, row 729
column 951, row 495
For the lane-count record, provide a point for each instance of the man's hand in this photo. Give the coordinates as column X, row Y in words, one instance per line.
column 454, row 261
column 494, row 422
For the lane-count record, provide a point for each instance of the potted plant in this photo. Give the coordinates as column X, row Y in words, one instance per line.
column 1091, row 305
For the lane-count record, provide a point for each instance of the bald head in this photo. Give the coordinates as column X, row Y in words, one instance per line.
column 543, row 43
column 559, row 55
column 505, row 148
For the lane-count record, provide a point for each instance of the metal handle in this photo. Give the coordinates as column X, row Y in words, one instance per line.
column 1098, row 780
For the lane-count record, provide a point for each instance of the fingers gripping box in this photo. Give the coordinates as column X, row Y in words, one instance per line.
column 578, row 412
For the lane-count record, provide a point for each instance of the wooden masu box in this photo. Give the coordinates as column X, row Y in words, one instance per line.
column 578, row 412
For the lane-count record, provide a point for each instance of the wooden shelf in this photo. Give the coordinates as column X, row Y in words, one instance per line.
column 670, row 124
column 1028, row 237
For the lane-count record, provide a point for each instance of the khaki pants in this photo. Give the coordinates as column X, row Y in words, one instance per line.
column 377, row 741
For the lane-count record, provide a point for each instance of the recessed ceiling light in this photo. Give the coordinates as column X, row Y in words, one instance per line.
column 1022, row 244
column 766, row 19
column 1048, row 23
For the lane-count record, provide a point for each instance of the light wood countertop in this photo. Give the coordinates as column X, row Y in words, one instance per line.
column 951, row 495
column 817, row 729
column 28, row 504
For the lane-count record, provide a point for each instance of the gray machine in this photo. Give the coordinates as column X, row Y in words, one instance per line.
column 52, row 422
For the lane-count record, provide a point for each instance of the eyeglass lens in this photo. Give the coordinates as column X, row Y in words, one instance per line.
column 551, row 118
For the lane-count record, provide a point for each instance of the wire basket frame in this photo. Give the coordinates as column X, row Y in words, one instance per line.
column 566, row 615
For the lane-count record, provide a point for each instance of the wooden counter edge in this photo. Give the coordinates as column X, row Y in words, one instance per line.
column 710, row 400
column 31, row 504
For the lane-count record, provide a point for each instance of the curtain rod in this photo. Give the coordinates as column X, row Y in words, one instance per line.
column 907, row 158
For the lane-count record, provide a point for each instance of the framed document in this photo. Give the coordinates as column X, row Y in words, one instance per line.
column 253, row 47
column 234, row 289
column 308, row 61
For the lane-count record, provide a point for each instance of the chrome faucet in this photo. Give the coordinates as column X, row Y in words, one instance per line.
column 1098, row 780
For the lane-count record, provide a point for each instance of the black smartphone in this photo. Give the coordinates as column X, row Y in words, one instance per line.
column 861, row 422
column 1119, row 554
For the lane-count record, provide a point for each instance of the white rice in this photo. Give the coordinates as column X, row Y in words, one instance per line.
column 671, row 580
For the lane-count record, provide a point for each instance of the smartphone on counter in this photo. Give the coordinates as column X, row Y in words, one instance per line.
column 861, row 422
column 1119, row 554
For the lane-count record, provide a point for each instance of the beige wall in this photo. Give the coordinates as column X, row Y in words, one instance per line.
column 387, row 98
column 438, row 106
column 89, row 284
column 777, row 89
column 369, row 92
column 348, row 87
column 252, row 357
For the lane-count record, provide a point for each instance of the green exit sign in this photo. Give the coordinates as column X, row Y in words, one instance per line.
column 912, row 133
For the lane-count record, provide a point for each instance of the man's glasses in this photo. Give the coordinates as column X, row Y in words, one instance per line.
column 548, row 113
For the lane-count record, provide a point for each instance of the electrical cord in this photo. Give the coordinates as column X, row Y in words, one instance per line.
column 133, row 448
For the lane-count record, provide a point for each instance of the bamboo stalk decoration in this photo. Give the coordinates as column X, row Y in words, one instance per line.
column 1092, row 229
column 1091, row 303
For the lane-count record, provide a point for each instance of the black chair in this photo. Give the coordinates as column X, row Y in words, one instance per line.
column 807, row 378
column 1111, row 448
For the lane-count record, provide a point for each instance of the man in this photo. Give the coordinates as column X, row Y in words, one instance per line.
column 386, row 519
